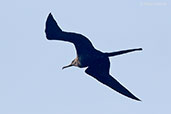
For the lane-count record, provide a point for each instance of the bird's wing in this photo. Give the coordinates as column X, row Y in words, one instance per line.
column 53, row 32
column 105, row 78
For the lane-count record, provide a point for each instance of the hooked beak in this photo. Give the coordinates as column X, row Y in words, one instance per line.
column 67, row 66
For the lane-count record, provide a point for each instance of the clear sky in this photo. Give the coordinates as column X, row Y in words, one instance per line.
column 31, row 78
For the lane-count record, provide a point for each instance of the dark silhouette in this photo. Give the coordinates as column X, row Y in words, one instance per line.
column 87, row 56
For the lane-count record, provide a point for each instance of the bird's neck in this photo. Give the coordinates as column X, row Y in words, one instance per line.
column 77, row 62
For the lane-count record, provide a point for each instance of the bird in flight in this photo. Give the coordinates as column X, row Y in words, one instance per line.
column 97, row 62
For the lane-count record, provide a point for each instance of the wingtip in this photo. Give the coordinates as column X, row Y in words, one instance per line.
column 50, row 15
column 135, row 98
column 52, row 29
column 138, row 99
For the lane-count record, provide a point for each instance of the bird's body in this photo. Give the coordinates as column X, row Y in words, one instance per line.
column 91, row 58
column 87, row 56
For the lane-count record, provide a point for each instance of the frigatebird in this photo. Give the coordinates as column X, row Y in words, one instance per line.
column 87, row 56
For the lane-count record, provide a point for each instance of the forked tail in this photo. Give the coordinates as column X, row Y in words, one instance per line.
column 122, row 52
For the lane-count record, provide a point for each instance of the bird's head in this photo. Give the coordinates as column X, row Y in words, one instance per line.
column 75, row 62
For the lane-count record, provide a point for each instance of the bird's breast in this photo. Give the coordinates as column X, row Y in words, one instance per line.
column 83, row 60
column 90, row 59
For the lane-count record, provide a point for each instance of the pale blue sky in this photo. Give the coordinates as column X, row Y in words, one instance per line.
column 31, row 78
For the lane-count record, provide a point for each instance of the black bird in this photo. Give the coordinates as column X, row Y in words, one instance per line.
column 87, row 56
